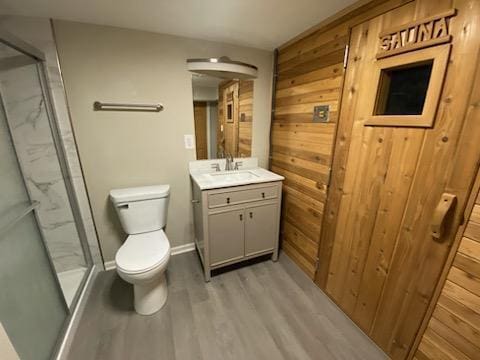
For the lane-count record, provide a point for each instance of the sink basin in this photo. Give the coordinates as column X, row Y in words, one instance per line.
column 202, row 175
column 234, row 176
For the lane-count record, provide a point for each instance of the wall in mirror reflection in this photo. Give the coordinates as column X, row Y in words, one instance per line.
column 223, row 115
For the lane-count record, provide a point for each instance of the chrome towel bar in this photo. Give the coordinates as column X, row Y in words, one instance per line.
column 101, row 106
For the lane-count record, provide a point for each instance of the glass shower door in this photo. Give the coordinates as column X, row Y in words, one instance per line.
column 32, row 306
column 41, row 154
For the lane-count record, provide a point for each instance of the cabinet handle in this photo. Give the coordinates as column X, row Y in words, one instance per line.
column 241, row 217
column 251, row 215
column 228, row 200
column 263, row 195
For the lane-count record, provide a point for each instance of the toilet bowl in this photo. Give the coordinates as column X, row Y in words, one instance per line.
column 142, row 261
column 143, row 257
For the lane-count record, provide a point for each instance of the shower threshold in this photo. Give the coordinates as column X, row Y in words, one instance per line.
column 70, row 281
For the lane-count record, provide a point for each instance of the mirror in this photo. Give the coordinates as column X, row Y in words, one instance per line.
column 223, row 115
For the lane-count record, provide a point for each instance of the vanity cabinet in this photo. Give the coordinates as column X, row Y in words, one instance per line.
column 261, row 227
column 234, row 224
column 226, row 235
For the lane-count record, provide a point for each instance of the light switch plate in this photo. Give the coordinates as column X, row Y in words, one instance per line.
column 321, row 113
column 189, row 141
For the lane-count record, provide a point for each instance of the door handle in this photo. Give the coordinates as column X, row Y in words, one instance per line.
column 445, row 205
column 251, row 215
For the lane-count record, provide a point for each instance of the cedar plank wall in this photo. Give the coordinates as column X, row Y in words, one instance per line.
column 454, row 328
column 301, row 150
column 245, row 97
column 309, row 73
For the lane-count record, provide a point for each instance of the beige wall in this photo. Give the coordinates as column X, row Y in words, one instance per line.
column 122, row 149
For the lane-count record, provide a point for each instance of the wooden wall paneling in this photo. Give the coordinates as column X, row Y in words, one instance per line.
column 245, row 104
column 301, row 149
column 310, row 73
column 436, row 347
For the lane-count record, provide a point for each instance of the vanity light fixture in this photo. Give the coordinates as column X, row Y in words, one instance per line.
column 222, row 67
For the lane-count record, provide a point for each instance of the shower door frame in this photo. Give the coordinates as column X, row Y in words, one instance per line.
column 20, row 45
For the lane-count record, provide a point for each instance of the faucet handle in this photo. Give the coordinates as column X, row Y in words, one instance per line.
column 215, row 166
column 238, row 164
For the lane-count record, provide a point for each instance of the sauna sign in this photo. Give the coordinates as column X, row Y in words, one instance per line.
column 431, row 31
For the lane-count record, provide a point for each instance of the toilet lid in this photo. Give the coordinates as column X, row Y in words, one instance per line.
column 142, row 252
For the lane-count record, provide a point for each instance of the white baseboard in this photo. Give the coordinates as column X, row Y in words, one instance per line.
column 183, row 248
column 110, row 265
column 176, row 250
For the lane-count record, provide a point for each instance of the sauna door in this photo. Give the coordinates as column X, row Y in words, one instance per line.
column 387, row 183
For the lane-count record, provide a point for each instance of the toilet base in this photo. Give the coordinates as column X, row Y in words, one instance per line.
column 150, row 297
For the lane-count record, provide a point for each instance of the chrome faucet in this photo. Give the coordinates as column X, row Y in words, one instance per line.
column 228, row 162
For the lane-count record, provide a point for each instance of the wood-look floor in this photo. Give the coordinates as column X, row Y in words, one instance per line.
column 263, row 311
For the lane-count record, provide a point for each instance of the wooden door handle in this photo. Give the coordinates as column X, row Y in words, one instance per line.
column 445, row 205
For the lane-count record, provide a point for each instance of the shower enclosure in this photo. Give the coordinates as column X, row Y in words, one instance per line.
column 44, row 256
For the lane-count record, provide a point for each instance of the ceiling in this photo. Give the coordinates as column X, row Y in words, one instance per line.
column 263, row 24
column 205, row 80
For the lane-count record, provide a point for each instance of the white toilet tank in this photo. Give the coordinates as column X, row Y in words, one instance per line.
column 141, row 209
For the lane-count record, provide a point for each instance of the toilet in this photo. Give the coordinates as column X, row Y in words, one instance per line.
column 143, row 258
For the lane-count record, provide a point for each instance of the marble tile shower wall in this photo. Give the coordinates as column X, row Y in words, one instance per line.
column 38, row 32
column 25, row 108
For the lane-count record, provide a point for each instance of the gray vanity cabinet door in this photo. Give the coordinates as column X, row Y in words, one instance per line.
column 260, row 228
column 226, row 234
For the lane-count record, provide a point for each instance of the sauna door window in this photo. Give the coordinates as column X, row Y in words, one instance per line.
column 409, row 87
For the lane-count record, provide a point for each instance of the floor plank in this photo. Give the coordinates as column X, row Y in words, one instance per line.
column 262, row 311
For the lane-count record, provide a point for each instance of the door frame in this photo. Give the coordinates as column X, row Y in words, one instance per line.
column 204, row 104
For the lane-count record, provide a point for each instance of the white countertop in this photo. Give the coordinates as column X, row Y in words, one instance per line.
column 208, row 178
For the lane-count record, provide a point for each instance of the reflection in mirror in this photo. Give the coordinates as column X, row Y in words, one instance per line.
column 223, row 116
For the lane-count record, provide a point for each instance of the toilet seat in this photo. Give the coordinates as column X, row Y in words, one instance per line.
column 143, row 252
